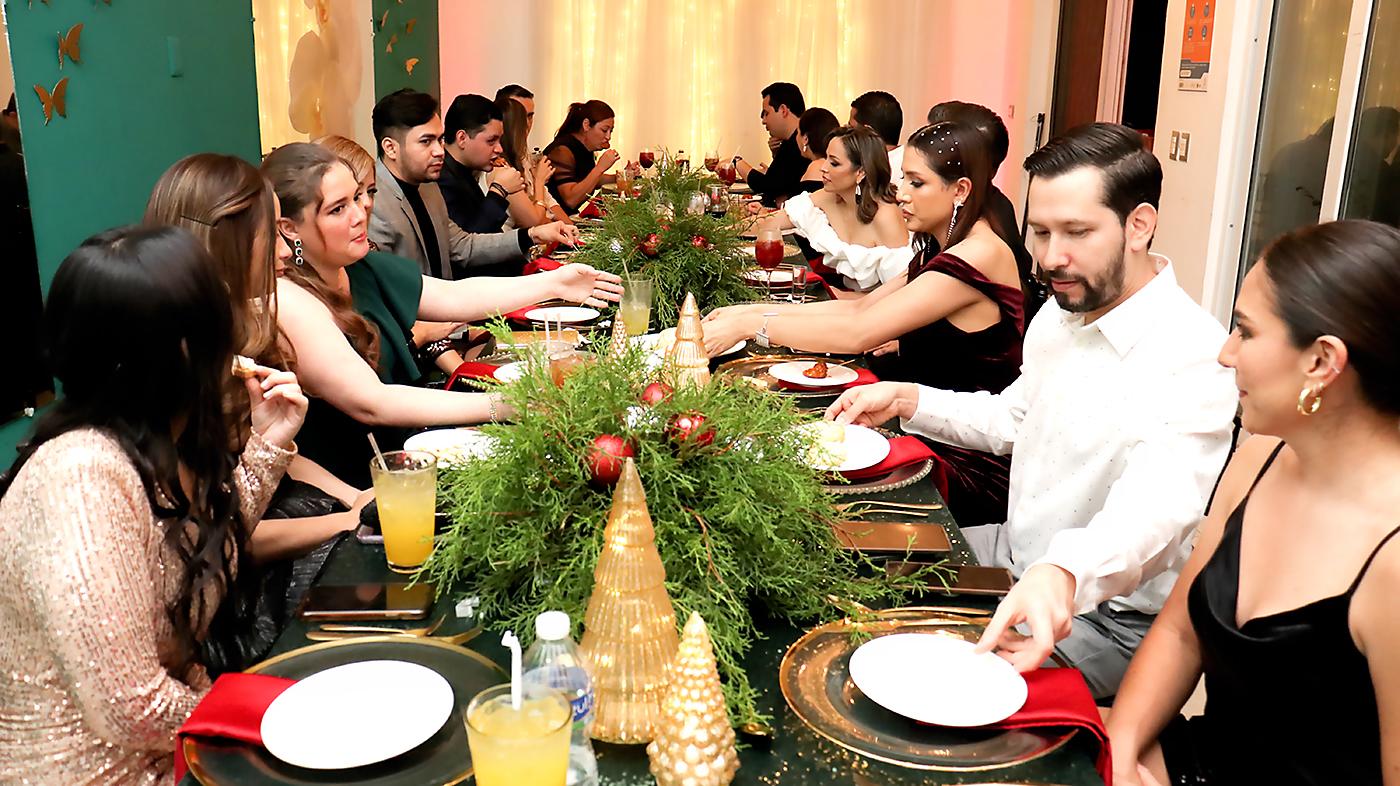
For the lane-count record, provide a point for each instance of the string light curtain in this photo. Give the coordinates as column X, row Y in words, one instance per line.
column 686, row 74
column 315, row 70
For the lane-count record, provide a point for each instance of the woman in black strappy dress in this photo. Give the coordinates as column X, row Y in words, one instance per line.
column 1287, row 604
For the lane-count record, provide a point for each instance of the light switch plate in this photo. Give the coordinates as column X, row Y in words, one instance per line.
column 1176, row 143
column 1185, row 146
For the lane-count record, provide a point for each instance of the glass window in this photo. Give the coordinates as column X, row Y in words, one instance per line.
column 1301, row 81
column 1372, row 186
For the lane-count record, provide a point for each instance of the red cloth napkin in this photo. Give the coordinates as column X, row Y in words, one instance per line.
column 541, row 265
column 233, row 708
column 1059, row 698
column 903, row 450
column 593, row 209
column 864, row 376
column 472, row 370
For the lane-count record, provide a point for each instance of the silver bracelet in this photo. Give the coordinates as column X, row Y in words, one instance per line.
column 491, row 407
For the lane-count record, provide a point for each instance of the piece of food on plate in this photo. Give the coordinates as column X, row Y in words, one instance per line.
column 829, row 447
column 817, row 371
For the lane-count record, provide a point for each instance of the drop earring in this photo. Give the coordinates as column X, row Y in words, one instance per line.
column 297, row 254
column 952, row 222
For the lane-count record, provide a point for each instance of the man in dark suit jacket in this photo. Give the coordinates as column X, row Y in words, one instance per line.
column 782, row 106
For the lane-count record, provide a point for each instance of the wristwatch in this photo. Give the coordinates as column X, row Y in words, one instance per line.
column 761, row 337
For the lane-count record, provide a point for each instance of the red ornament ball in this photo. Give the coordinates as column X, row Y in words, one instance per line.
column 651, row 244
column 690, row 427
column 605, row 459
column 655, row 393
column 700, row 242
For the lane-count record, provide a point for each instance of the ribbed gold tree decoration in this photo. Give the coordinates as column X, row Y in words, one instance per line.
column 687, row 358
column 630, row 625
column 618, row 341
column 694, row 743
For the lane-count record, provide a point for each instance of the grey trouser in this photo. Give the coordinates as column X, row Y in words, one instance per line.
column 1103, row 640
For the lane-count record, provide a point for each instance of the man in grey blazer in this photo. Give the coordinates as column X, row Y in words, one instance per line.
column 410, row 217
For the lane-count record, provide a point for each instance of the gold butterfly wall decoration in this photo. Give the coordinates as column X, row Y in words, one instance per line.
column 393, row 39
column 383, row 19
column 409, row 64
column 68, row 45
column 412, row 23
column 57, row 101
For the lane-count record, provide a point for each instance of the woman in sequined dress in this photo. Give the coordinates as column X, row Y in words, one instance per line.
column 123, row 519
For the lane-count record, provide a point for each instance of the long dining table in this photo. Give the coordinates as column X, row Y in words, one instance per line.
column 791, row 753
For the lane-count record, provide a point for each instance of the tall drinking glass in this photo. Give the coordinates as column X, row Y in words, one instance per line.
column 768, row 252
column 528, row 746
column 712, row 160
column 405, row 489
column 624, row 181
column 635, row 308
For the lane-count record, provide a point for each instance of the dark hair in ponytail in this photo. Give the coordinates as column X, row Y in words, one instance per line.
column 867, row 153
column 155, row 297
column 954, row 150
column 594, row 112
column 1342, row 279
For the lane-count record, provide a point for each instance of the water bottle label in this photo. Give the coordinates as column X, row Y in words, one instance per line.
column 583, row 705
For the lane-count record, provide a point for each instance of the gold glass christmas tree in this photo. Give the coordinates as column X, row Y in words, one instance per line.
column 630, row 625
column 694, row 743
column 618, row 341
column 687, row 358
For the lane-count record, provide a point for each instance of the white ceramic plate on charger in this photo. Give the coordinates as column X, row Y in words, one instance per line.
column 569, row 315
column 862, row 448
column 937, row 679
column 453, row 446
column 791, row 373
column 357, row 714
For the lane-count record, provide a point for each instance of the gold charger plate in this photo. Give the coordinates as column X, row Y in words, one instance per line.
column 442, row 759
column 815, row 680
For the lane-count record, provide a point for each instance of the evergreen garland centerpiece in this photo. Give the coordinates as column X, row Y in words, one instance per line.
column 661, row 237
column 739, row 518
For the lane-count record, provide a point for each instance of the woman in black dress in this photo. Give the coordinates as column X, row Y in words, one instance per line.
column 1287, row 603
column 587, row 129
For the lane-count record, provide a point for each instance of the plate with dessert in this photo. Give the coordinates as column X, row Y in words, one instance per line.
column 813, row 373
column 839, row 447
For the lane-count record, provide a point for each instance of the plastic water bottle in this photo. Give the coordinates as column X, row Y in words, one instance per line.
column 554, row 660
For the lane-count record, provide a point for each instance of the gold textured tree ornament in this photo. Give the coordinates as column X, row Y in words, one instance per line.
column 694, row 743
column 630, row 625
column 687, row 357
column 618, row 342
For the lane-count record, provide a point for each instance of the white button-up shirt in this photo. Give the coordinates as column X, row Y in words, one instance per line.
column 1119, row 427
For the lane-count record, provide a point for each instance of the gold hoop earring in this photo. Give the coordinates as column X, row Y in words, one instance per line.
column 1306, row 407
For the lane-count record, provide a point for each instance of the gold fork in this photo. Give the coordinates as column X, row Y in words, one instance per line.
column 456, row 639
column 889, row 504
column 426, row 630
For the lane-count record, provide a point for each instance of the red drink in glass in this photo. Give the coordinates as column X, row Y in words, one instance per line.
column 769, row 253
column 727, row 173
column 711, row 162
column 646, row 158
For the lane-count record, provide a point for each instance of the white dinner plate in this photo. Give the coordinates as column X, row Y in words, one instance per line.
column 791, row 373
column 569, row 315
column 510, row 372
column 776, row 276
column 658, row 343
column 453, row 446
column 937, row 679
column 357, row 714
column 862, row 448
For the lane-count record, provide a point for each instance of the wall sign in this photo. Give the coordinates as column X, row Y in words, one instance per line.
column 1198, row 30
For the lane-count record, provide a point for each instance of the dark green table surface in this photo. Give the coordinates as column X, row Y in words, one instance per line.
column 795, row 755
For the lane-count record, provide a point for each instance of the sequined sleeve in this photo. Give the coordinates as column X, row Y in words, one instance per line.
column 260, row 469
column 97, row 591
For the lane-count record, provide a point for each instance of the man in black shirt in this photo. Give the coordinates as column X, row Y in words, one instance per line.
column 782, row 106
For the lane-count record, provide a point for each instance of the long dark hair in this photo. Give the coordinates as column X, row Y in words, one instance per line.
column 817, row 125
column 955, row 151
column 514, row 140
column 867, row 153
column 166, row 328
column 296, row 171
column 594, row 112
column 1342, row 279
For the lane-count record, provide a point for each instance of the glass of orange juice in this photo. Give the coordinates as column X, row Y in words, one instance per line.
column 528, row 746
column 405, row 489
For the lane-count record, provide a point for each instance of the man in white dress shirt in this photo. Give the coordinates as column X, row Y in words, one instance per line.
column 881, row 112
column 1118, row 425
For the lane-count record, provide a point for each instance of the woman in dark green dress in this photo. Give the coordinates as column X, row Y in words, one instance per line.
column 347, row 315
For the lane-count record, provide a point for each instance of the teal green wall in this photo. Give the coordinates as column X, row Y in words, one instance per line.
column 128, row 118
column 389, row 72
